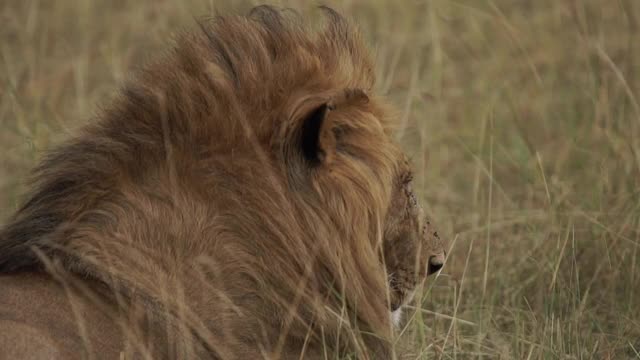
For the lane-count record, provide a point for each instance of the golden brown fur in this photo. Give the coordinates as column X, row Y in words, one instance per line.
column 242, row 198
column 39, row 319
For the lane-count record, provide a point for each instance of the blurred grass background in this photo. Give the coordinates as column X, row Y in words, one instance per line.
column 522, row 118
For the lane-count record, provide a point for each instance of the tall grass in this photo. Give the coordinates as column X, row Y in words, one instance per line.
column 522, row 118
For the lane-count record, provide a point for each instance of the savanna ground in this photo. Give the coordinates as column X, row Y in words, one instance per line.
column 522, row 119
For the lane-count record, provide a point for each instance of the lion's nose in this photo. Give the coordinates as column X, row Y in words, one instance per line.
column 435, row 264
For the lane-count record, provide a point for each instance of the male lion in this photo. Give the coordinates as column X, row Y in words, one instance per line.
column 242, row 198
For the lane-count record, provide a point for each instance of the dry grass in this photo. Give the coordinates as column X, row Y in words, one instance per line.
column 522, row 117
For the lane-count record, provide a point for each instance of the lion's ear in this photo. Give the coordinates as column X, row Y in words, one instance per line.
column 317, row 141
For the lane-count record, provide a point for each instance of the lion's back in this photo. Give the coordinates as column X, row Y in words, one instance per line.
column 39, row 320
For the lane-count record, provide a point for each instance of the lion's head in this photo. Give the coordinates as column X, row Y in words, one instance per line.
column 349, row 151
column 412, row 246
column 252, row 171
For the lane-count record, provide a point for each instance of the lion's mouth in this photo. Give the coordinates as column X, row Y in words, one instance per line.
column 395, row 306
column 401, row 298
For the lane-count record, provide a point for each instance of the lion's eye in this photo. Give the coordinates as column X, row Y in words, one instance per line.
column 413, row 200
column 408, row 188
column 407, row 179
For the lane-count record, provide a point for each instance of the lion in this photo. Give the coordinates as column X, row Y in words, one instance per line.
column 242, row 197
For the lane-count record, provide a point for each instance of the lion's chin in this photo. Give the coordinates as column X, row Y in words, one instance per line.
column 396, row 311
column 396, row 316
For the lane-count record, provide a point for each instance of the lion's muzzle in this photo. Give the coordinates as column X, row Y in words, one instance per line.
column 436, row 262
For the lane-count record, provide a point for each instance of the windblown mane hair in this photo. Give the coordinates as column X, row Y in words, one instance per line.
column 240, row 184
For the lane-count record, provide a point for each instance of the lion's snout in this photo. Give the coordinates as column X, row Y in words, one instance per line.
column 436, row 262
column 435, row 251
